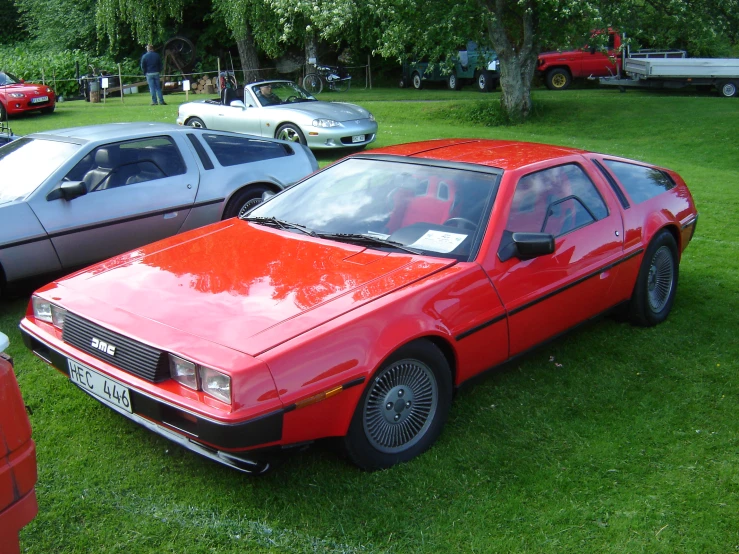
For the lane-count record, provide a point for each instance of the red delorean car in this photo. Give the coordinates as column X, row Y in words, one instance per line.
column 354, row 303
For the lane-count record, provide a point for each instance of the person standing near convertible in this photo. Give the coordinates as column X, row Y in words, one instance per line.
column 151, row 65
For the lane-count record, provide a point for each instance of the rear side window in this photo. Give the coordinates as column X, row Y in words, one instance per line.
column 641, row 183
column 231, row 150
column 555, row 201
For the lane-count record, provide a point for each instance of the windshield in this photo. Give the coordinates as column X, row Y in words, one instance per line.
column 8, row 79
column 280, row 92
column 26, row 163
column 433, row 210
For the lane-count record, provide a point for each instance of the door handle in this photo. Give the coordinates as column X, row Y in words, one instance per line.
column 170, row 215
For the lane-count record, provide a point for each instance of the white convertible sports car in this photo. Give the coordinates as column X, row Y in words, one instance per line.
column 283, row 110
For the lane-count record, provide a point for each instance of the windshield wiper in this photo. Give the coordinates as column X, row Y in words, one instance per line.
column 366, row 239
column 279, row 224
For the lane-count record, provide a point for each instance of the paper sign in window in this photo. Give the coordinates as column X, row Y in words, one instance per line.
column 438, row 241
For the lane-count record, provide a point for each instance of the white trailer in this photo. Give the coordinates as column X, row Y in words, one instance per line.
column 706, row 73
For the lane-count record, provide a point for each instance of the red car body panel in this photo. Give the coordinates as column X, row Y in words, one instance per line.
column 18, row 473
column 301, row 324
column 15, row 104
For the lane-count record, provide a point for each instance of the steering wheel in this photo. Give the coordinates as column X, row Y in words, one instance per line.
column 291, row 99
column 461, row 223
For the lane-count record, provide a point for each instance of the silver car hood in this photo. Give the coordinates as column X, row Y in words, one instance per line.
column 338, row 111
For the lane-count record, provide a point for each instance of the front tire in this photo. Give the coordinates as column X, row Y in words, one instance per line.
column 313, row 83
column 558, row 79
column 654, row 292
column 244, row 200
column 290, row 132
column 196, row 122
column 403, row 408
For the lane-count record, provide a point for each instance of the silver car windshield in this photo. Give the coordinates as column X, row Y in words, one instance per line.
column 26, row 163
column 280, row 92
column 434, row 210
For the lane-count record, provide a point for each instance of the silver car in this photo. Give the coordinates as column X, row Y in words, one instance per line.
column 283, row 110
column 75, row 196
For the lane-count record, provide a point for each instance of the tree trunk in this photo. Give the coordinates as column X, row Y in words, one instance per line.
column 311, row 51
column 248, row 56
column 517, row 56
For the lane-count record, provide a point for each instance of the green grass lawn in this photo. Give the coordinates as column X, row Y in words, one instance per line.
column 612, row 439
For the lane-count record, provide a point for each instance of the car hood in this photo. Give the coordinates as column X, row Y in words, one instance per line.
column 25, row 88
column 245, row 286
column 338, row 111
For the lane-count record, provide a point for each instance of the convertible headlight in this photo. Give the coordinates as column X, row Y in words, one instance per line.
column 183, row 371
column 216, row 384
column 17, row 95
column 198, row 377
column 371, row 117
column 46, row 311
column 326, row 123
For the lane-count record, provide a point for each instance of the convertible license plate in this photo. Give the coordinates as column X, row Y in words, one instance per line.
column 39, row 99
column 109, row 391
column 358, row 138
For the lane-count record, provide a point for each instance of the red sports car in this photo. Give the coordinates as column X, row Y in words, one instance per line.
column 17, row 96
column 352, row 304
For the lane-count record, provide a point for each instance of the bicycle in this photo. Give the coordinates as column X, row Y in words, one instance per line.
column 335, row 77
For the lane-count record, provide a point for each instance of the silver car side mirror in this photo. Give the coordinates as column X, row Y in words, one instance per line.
column 237, row 104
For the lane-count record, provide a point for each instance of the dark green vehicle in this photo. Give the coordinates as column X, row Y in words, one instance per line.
column 478, row 66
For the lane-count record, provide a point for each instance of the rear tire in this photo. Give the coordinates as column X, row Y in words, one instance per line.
column 403, row 408
column 452, row 82
column 727, row 89
column 244, row 200
column 485, row 81
column 558, row 79
column 654, row 292
column 417, row 81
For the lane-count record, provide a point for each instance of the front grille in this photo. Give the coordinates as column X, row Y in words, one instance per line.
column 143, row 361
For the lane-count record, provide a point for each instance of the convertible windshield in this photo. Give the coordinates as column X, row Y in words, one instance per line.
column 26, row 163
column 280, row 92
column 429, row 209
column 8, row 79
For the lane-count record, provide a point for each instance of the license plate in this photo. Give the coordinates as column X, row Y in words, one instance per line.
column 358, row 138
column 39, row 99
column 109, row 391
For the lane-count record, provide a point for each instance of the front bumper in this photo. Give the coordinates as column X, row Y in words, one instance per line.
column 231, row 444
column 341, row 137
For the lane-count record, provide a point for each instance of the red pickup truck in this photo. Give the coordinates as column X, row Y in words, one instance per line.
column 559, row 68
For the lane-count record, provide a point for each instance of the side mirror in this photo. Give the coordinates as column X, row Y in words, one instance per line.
column 68, row 190
column 592, row 49
column 237, row 104
column 525, row 246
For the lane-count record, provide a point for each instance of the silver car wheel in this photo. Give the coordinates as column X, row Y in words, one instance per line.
column 661, row 279
column 291, row 133
column 401, row 406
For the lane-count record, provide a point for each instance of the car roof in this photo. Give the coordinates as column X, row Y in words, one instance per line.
column 503, row 154
column 111, row 131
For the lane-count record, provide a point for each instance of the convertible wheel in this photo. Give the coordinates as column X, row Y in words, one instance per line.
column 244, row 200
column 290, row 132
column 403, row 408
column 196, row 122
column 655, row 287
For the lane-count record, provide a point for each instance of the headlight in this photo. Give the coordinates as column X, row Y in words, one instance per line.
column 183, row 371
column 371, row 117
column 326, row 123
column 17, row 95
column 216, row 384
column 46, row 311
column 198, row 377
column 48, row 90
